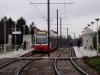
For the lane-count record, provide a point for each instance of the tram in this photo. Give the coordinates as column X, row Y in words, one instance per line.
column 41, row 41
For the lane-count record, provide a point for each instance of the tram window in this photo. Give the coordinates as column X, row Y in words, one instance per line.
column 41, row 40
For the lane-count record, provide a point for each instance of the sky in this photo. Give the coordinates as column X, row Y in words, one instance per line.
column 78, row 14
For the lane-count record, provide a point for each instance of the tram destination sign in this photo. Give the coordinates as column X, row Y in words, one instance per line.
column 41, row 33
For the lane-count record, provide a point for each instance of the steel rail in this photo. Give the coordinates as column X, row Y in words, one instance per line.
column 72, row 62
column 20, row 70
column 55, row 63
column 8, row 63
column 76, row 66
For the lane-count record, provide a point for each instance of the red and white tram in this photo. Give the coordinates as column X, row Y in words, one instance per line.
column 41, row 41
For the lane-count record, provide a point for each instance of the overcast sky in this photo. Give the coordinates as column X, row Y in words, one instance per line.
column 79, row 14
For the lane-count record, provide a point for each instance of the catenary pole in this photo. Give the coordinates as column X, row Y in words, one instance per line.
column 60, row 32
column 48, row 10
column 97, row 19
column 15, row 37
column 92, row 34
column 5, row 35
column 67, row 32
column 57, row 29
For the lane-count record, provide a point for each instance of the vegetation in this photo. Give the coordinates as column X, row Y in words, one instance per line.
column 10, row 27
column 93, row 62
column 9, row 23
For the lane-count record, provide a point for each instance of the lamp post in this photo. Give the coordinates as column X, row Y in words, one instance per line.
column 86, row 37
column 15, row 36
column 60, row 32
column 57, row 30
column 4, row 34
column 97, row 19
column 23, row 33
column 73, row 37
column 30, row 29
column 23, row 29
column 88, row 25
column 83, row 37
column 67, row 32
column 92, row 34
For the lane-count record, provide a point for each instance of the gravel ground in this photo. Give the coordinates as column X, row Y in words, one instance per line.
column 45, row 66
column 39, row 67
column 55, row 53
column 2, row 61
column 12, row 68
column 67, row 68
column 66, row 53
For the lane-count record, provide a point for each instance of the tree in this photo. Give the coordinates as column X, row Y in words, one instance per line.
column 1, row 31
column 26, row 30
column 20, row 23
column 32, row 27
column 20, row 27
column 10, row 25
column 69, row 40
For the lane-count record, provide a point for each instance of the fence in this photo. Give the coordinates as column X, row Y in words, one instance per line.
column 5, row 48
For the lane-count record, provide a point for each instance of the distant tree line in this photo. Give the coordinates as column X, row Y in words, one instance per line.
column 7, row 25
column 25, row 30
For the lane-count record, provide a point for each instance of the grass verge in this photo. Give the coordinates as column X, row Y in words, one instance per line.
column 93, row 62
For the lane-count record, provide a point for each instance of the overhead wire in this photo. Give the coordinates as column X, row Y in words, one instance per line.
column 43, row 16
column 41, row 12
column 65, row 8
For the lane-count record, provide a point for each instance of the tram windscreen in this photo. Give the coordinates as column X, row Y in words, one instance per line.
column 41, row 37
column 41, row 40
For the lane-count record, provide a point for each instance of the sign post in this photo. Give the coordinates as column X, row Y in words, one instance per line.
column 16, row 32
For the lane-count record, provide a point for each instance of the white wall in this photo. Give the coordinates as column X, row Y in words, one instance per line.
column 28, row 39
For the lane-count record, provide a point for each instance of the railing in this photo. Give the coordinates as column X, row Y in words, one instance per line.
column 5, row 48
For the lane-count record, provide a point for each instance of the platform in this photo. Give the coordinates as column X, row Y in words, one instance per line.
column 11, row 54
column 82, row 52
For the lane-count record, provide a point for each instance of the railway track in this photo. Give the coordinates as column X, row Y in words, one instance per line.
column 69, row 67
column 10, row 67
column 6, row 62
column 20, row 70
column 82, row 72
column 16, row 64
column 46, row 66
column 41, row 66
